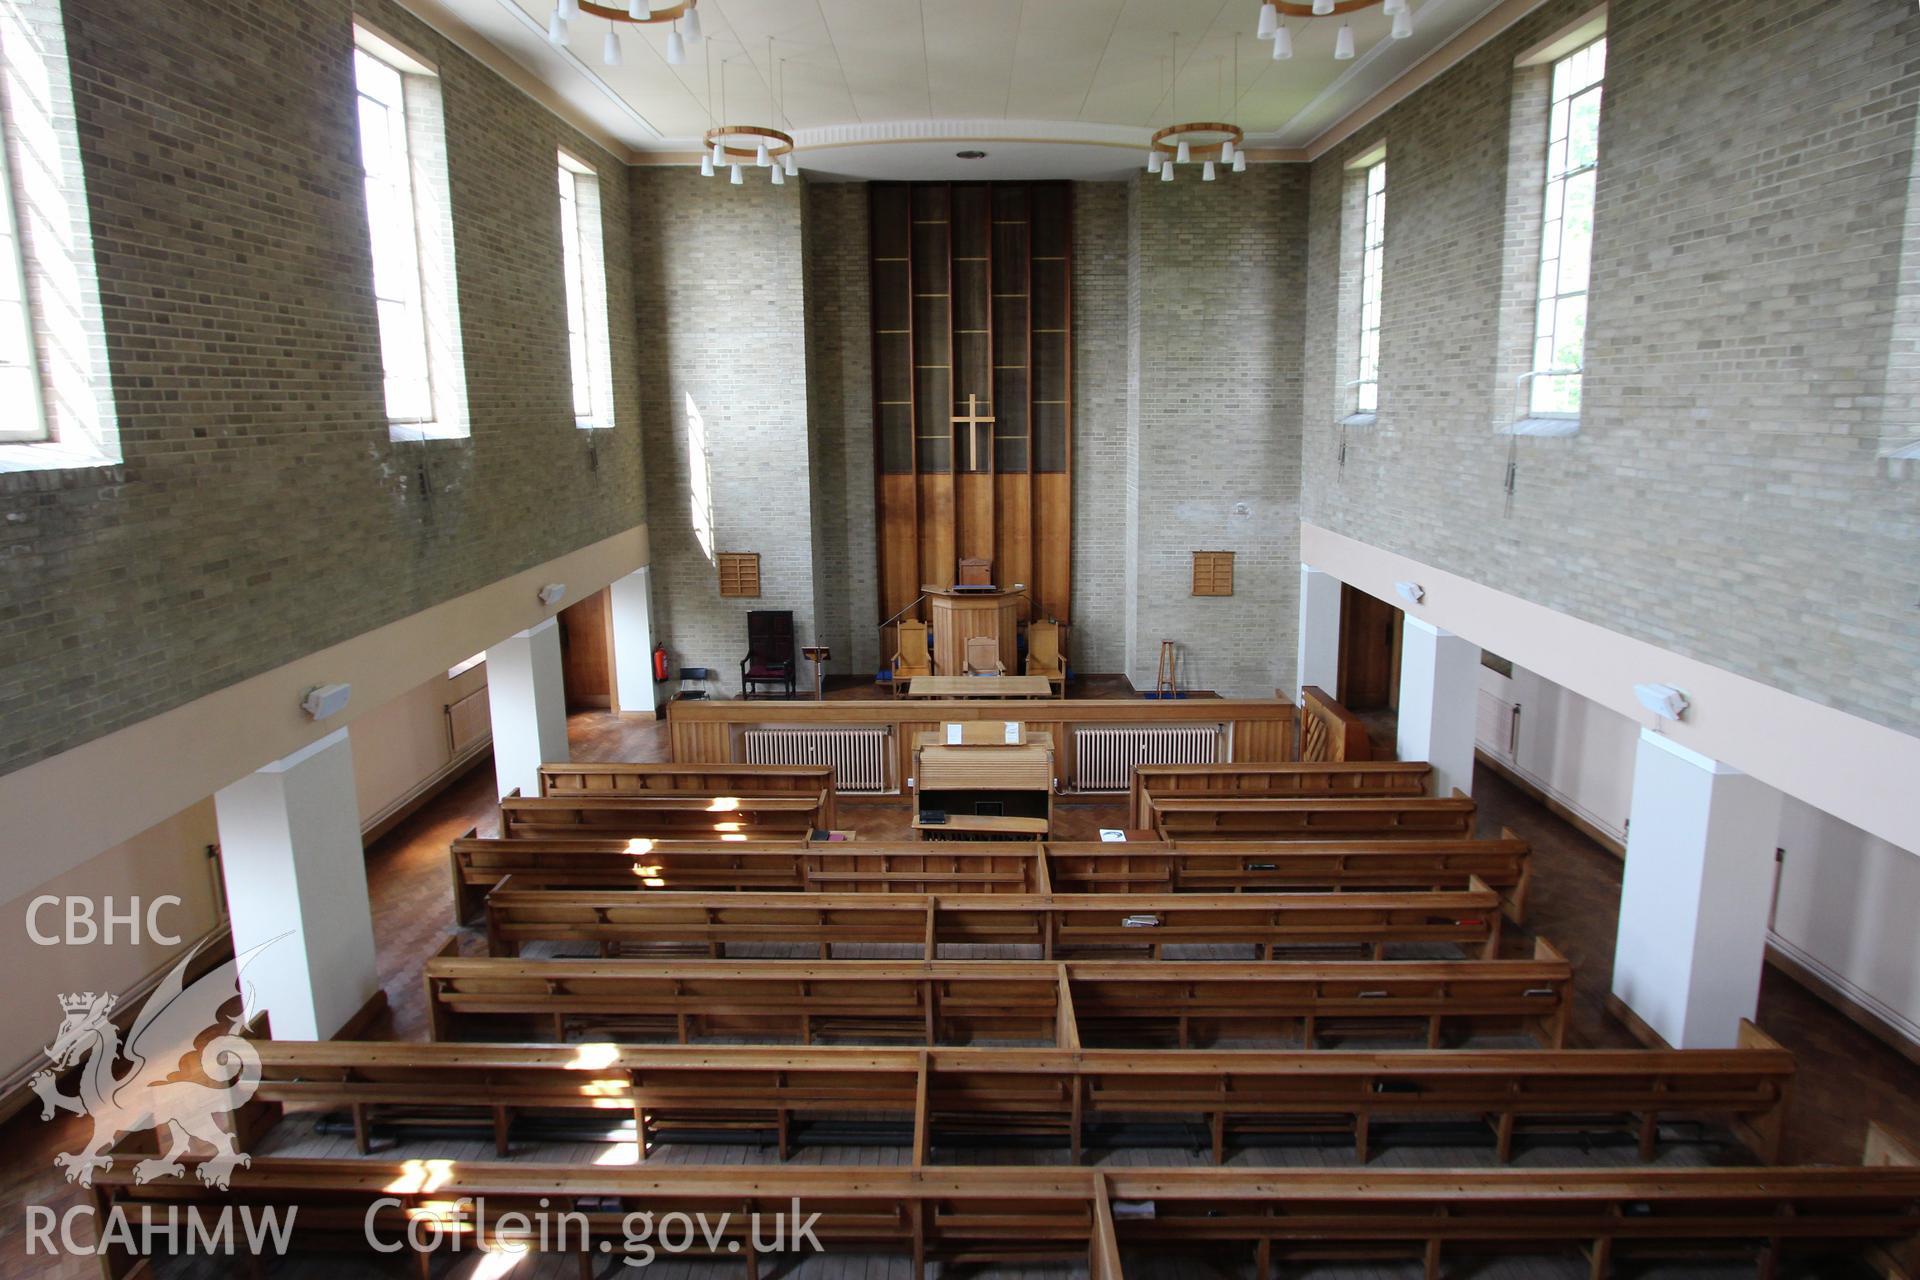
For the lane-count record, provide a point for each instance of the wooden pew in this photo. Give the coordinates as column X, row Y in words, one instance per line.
column 1183, row 818
column 960, row 1215
column 1325, row 778
column 1328, row 731
column 1241, row 866
column 972, row 1215
column 1611, row 1216
column 1187, row 1002
column 609, row 779
column 855, row 1001
column 955, row 1002
column 624, row 921
column 1061, row 1092
column 781, row 815
column 478, row 863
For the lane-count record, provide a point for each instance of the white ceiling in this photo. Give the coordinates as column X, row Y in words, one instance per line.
column 891, row 88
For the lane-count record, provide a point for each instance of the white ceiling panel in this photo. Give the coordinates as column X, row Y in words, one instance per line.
column 1077, row 72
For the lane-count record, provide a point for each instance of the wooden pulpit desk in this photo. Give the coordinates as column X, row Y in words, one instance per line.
column 983, row 792
column 960, row 613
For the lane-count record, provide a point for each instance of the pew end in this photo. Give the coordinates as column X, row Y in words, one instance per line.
column 1886, row 1150
column 1515, row 903
column 467, row 899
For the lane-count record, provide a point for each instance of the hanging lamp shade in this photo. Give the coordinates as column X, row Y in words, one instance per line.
column 676, row 48
column 760, row 158
column 1321, row 8
column 1154, row 159
column 693, row 25
column 1282, row 45
column 1185, row 153
column 556, row 29
column 640, row 10
column 706, row 165
column 1269, row 20
column 791, row 164
column 610, row 50
column 569, row 9
column 1206, row 172
column 1403, row 24
column 779, row 176
column 1343, row 43
column 1166, row 173
column 1239, row 162
column 735, row 179
column 1226, row 152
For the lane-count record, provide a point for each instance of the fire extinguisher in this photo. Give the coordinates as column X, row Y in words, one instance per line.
column 659, row 662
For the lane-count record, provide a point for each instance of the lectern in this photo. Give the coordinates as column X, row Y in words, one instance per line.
column 960, row 613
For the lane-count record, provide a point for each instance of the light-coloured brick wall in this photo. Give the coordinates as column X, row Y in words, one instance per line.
column 1723, row 498
column 1099, row 638
column 261, row 512
column 720, row 292
column 1216, row 288
column 840, row 387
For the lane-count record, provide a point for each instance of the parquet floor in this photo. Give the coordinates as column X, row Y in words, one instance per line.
column 1846, row 1076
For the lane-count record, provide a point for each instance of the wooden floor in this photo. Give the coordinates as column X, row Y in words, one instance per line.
column 1846, row 1076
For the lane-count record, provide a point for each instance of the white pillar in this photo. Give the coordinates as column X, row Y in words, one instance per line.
column 1439, row 692
column 296, row 876
column 630, row 604
column 528, row 697
column 1695, row 896
column 1319, row 661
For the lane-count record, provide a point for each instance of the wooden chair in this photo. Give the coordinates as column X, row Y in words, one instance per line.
column 1044, row 656
column 983, row 657
column 911, row 655
column 769, row 659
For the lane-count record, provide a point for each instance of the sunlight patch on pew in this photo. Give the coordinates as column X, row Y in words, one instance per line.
column 421, row 1175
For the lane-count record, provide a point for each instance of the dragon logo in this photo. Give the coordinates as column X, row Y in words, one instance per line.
column 155, row 1092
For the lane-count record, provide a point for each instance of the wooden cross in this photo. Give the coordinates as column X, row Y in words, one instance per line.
column 972, row 420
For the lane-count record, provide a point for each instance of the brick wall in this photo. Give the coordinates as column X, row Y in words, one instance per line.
column 1723, row 497
column 840, row 389
column 1217, row 275
column 720, row 293
column 261, row 512
column 1098, row 640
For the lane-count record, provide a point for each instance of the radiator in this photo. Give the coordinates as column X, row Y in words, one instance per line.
column 858, row 756
column 1103, row 759
column 468, row 722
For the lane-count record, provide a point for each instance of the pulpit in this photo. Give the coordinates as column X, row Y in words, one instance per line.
column 960, row 615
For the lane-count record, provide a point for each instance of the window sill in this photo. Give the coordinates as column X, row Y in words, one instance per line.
column 48, row 455
column 421, row 432
column 1359, row 419
column 580, row 425
column 1544, row 427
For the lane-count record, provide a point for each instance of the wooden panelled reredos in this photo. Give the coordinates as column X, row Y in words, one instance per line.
column 971, row 289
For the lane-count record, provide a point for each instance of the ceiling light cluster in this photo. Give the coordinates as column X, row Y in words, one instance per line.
column 734, row 146
column 683, row 28
column 1274, row 13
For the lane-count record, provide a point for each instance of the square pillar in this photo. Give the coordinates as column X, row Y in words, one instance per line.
column 528, row 697
column 1439, row 693
column 296, row 877
column 1695, row 895
column 1319, row 659
column 630, row 605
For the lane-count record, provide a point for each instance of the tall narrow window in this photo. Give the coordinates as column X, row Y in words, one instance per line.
column 410, row 228
column 583, row 267
column 394, row 225
column 1373, row 257
column 22, row 410
column 1566, row 237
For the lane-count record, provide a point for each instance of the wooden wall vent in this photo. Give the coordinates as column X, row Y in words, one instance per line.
column 1213, row 573
column 739, row 573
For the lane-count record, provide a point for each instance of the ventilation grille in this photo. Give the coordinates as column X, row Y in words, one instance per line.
column 858, row 756
column 1103, row 759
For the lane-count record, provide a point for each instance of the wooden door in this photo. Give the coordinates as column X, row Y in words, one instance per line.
column 1369, row 651
column 586, row 653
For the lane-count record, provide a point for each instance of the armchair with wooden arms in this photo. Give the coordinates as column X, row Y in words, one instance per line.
column 983, row 657
column 1044, row 657
column 911, row 656
column 769, row 660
